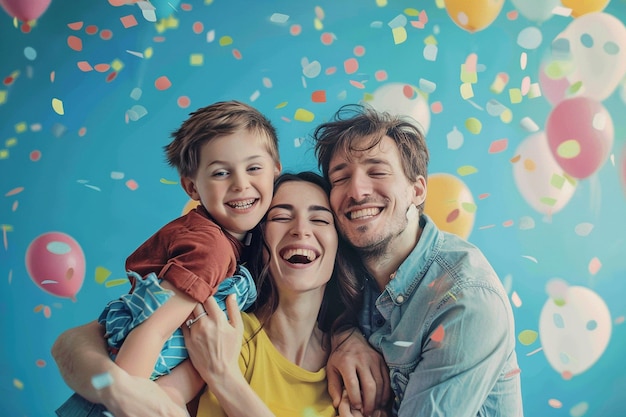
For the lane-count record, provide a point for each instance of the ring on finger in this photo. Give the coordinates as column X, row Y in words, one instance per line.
column 190, row 322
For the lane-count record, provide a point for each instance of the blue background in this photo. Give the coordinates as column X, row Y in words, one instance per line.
column 72, row 187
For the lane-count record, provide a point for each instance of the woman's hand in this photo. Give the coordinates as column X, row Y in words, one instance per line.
column 214, row 341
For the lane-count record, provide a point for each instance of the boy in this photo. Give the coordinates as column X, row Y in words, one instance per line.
column 227, row 157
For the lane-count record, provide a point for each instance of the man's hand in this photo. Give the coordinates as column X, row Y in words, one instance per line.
column 355, row 364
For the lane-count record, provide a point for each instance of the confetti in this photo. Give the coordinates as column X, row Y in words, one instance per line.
column 303, row 115
column 279, row 18
column 101, row 274
column 499, row 145
column 527, row 337
column 454, row 138
column 473, row 125
column 402, row 343
column 57, row 106
column 162, row 83
column 594, row 266
column 438, row 334
column 128, row 21
column 351, row 66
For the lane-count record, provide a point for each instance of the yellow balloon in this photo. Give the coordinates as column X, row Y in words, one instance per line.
column 581, row 7
column 473, row 15
column 191, row 204
column 449, row 203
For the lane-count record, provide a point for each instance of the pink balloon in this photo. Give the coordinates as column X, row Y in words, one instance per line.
column 56, row 264
column 554, row 90
column 580, row 135
column 25, row 10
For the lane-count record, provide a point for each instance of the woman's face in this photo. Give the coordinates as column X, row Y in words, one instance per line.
column 301, row 236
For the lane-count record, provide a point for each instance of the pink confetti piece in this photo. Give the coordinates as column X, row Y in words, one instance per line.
column 327, row 38
column 359, row 50
column 438, row 334
column 132, row 185
column 351, row 65
column 357, row 84
column 128, row 21
column 554, row 403
column 436, row 107
column 91, row 30
column 516, row 300
column 75, row 25
column 84, row 66
column 14, row 191
column 197, row 28
column 162, row 83
column 499, row 145
column 35, row 155
column 507, row 223
column 470, row 62
column 183, row 102
column 483, row 196
column 106, row 34
column 75, row 43
column 295, row 30
column 40, row 363
column 237, row 54
column 380, row 75
column 594, row 266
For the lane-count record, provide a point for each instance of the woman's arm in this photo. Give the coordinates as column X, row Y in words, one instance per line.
column 81, row 353
column 211, row 341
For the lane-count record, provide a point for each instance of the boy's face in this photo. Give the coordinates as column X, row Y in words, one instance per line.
column 235, row 180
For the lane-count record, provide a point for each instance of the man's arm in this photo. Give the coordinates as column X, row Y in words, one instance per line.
column 353, row 363
column 81, row 353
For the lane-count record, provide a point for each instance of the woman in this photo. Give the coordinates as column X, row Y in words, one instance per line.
column 286, row 337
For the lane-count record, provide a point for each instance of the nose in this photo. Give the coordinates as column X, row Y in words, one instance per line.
column 359, row 186
column 300, row 228
column 240, row 181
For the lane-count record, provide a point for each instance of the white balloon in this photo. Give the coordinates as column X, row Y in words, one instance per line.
column 539, row 178
column 536, row 10
column 403, row 99
column 575, row 332
column 596, row 45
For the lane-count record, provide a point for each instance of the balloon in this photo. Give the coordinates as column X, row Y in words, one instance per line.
column 536, row 10
column 449, row 203
column 538, row 177
column 554, row 87
column 25, row 10
column 596, row 46
column 56, row 264
column 473, row 15
column 580, row 135
column 574, row 330
column 581, row 7
column 402, row 99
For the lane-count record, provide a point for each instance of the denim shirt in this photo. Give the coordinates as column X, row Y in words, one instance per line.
column 445, row 327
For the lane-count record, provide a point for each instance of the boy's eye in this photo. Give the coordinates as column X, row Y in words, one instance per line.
column 220, row 174
column 255, row 168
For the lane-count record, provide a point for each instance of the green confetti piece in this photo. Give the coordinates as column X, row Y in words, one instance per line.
column 473, row 125
column 527, row 337
column 569, row 149
column 466, row 170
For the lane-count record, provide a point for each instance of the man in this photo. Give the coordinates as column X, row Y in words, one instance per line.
column 432, row 304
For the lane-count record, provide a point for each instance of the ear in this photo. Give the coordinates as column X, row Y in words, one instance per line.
column 190, row 188
column 419, row 191
column 277, row 169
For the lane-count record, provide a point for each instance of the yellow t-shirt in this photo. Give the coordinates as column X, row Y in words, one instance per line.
column 287, row 389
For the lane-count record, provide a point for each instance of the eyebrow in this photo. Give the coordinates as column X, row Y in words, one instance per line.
column 248, row 159
column 289, row 207
column 367, row 161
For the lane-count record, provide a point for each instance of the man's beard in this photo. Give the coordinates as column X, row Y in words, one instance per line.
column 379, row 248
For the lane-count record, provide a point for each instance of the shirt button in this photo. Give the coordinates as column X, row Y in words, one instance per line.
column 400, row 299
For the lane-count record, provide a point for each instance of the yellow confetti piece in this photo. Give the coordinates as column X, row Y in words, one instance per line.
column 506, row 116
column 116, row 282
column 468, row 76
column 534, row 91
column 225, row 41
column 399, row 35
column 466, row 170
column 196, row 60
column 281, row 105
column 102, row 274
column 168, row 182
column 527, row 337
column 430, row 40
column 594, row 266
column 467, row 91
column 38, row 308
column 21, row 127
column 10, row 142
column 441, row 4
column 18, row 384
column 3, row 96
column 568, row 149
column 148, row 53
column 4, row 154
column 317, row 24
column 303, row 115
column 473, row 125
column 557, row 181
column 515, row 95
column 381, row 3
column 117, row 65
column 57, row 106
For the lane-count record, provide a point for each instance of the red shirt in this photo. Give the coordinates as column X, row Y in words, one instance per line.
column 192, row 252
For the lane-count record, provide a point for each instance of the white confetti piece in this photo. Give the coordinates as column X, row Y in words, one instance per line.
column 402, row 343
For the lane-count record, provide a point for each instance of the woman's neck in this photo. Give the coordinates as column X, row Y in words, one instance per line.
column 293, row 330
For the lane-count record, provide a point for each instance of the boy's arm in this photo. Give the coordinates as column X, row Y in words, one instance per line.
column 81, row 353
column 141, row 348
column 183, row 384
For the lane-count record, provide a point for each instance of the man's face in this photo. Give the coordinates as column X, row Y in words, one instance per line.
column 370, row 195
